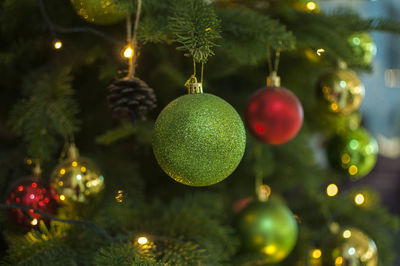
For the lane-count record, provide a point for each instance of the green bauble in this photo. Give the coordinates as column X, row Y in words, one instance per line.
column 268, row 228
column 353, row 152
column 350, row 247
column 102, row 12
column 364, row 48
column 199, row 139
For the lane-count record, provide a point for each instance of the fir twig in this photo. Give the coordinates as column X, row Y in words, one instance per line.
column 196, row 27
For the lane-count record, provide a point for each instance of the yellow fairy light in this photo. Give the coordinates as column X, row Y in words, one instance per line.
column 74, row 164
column 34, row 221
column 353, row 170
column 320, row 51
column 62, row 171
column 359, row 199
column 83, row 169
column 311, row 6
column 334, row 107
column 62, row 197
column 61, row 183
column 338, row 261
column 347, row 234
column 28, row 161
column 332, row 190
column 142, row 240
column 270, row 249
column 346, row 158
column 57, row 44
column 316, row 253
column 128, row 52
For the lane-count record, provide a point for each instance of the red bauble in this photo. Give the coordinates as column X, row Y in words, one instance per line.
column 274, row 115
column 33, row 193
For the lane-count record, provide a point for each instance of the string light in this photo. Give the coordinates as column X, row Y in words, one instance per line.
column 128, row 52
column 320, row 51
column 142, row 240
column 311, row 6
column 57, row 44
column 34, row 221
column 347, row 234
column 338, row 261
column 359, row 199
column 332, row 190
column 316, row 253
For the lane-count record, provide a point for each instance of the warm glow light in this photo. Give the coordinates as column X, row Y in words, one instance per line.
column 311, row 6
column 29, row 162
column 338, row 261
column 128, row 52
column 346, row 158
column 334, row 107
column 83, row 169
column 74, row 163
column 34, row 221
column 347, row 234
column 142, row 240
column 320, row 51
column 270, row 249
column 332, row 190
column 62, row 197
column 60, row 183
column 316, row 254
column 353, row 170
column 57, row 45
column 62, row 171
column 359, row 199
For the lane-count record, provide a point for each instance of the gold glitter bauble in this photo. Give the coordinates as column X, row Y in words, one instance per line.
column 76, row 181
column 199, row 139
column 342, row 91
column 351, row 247
column 102, row 12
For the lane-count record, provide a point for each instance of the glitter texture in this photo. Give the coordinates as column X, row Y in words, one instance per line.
column 199, row 139
column 101, row 12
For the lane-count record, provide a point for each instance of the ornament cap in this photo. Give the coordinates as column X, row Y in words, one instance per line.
column 273, row 80
column 37, row 170
column 193, row 86
column 342, row 65
column 73, row 152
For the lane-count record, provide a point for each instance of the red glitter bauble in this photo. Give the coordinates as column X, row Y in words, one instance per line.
column 33, row 193
column 274, row 115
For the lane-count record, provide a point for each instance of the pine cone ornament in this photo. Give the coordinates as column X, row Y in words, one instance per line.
column 131, row 98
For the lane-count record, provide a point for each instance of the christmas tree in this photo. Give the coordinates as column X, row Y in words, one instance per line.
column 187, row 132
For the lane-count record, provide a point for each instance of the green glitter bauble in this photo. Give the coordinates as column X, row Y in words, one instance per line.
column 199, row 139
column 268, row 228
column 350, row 247
column 364, row 48
column 353, row 152
column 102, row 12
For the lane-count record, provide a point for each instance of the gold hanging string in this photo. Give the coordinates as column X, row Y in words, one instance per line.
column 132, row 38
column 202, row 72
column 277, row 58
column 269, row 59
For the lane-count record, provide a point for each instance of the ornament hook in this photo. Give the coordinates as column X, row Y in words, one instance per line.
column 193, row 86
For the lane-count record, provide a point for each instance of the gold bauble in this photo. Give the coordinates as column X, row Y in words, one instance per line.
column 342, row 91
column 102, row 12
column 351, row 247
column 77, row 180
